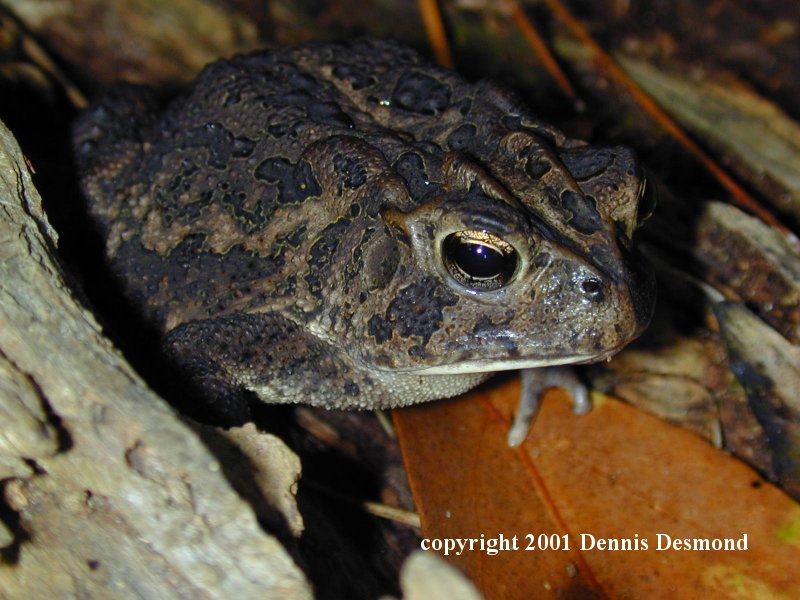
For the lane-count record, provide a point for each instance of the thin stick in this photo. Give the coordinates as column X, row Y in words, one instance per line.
column 607, row 64
column 434, row 28
column 528, row 30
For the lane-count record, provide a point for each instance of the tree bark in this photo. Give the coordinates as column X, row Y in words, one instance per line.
column 105, row 491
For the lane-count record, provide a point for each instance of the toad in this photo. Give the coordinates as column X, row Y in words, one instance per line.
column 345, row 225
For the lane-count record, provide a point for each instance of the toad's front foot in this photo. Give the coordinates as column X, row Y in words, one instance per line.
column 535, row 382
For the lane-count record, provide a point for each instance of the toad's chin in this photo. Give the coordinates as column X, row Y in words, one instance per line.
column 510, row 364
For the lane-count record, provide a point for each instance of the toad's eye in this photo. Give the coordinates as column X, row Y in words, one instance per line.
column 479, row 260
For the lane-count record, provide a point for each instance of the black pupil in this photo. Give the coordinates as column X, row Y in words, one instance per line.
column 479, row 260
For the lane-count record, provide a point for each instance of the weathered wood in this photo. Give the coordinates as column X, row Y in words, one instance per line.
column 105, row 491
column 753, row 135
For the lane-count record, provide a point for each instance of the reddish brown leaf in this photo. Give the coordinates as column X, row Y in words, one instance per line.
column 614, row 474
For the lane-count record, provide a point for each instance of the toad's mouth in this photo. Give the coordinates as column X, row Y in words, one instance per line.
column 511, row 364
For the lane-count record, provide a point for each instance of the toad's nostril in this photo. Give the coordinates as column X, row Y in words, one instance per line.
column 593, row 289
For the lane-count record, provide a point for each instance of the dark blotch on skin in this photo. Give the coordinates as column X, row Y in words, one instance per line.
column 582, row 209
column 321, row 254
column 357, row 78
column 295, row 238
column 462, row 137
column 242, row 147
column 219, row 142
column 482, row 325
column 420, row 93
column 585, row 164
column 351, row 172
column 296, row 183
column 411, row 167
column 537, row 167
column 416, row 311
column 329, row 113
column 351, row 388
column 201, row 274
column 250, row 216
column 537, row 163
column 378, row 328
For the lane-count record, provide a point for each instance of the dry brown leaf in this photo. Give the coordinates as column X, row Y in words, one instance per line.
column 614, row 474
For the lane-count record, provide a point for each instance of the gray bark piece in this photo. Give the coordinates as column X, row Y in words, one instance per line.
column 114, row 496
